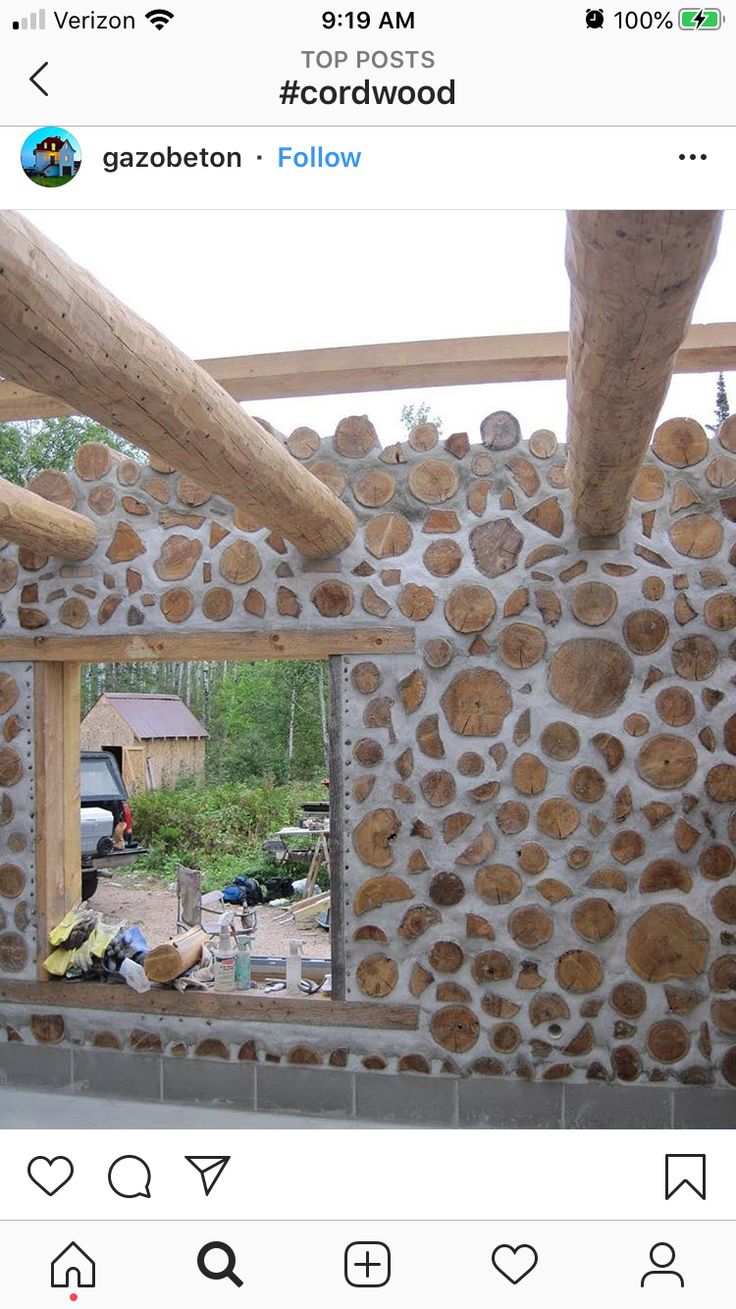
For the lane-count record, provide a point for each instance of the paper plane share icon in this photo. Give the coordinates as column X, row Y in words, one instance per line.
column 210, row 1167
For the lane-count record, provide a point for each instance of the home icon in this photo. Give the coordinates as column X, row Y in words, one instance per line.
column 73, row 1268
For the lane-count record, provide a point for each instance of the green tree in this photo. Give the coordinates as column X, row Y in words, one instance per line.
column 722, row 410
column 12, row 454
column 266, row 719
column 27, row 448
column 416, row 415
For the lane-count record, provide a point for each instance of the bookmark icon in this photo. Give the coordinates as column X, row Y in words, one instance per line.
column 684, row 1170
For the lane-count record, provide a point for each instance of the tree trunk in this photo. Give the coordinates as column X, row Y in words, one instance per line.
column 290, row 742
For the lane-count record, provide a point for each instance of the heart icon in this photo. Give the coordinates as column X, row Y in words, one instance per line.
column 49, row 1175
column 514, row 1262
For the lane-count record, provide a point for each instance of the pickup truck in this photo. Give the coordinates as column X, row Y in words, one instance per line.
column 104, row 806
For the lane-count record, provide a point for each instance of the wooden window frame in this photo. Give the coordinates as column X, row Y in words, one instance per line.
column 57, row 682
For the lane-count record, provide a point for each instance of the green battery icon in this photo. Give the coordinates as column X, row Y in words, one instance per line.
column 696, row 20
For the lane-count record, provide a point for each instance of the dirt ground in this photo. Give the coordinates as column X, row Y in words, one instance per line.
column 130, row 898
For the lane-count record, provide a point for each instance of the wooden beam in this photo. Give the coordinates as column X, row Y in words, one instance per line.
column 60, row 329
column 398, row 365
column 58, row 855
column 708, row 348
column 635, row 276
column 46, row 528
column 338, row 891
column 341, row 370
column 128, row 647
column 206, row 1004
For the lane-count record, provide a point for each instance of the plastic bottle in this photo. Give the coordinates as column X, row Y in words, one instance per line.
column 242, row 967
column 225, row 956
column 294, row 968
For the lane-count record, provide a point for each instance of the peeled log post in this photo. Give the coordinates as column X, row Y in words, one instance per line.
column 44, row 527
column 63, row 332
column 635, row 276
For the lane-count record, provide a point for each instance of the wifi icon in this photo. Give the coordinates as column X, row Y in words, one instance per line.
column 159, row 17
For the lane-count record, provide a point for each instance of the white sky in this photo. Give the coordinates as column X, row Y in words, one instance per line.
column 243, row 283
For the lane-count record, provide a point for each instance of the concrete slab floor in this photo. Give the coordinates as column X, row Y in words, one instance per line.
column 27, row 1109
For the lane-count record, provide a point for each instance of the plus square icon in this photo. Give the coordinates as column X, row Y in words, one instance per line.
column 367, row 1263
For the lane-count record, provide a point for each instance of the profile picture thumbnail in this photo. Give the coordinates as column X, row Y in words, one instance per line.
column 51, row 156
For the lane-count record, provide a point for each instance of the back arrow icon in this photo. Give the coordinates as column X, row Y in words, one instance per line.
column 33, row 77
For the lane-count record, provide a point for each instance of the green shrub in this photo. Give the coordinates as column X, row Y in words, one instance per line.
column 218, row 829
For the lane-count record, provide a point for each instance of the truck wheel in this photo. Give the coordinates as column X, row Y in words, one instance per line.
column 89, row 883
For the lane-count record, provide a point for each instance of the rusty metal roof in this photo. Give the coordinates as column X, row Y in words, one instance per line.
column 153, row 717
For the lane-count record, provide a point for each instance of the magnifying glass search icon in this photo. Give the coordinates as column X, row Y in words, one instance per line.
column 218, row 1274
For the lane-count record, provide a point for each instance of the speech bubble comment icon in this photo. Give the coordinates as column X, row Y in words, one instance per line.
column 130, row 1177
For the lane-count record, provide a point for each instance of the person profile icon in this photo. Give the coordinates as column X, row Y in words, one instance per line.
column 662, row 1255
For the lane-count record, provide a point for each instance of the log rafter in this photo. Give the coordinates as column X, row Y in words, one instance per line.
column 45, row 528
column 59, row 328
column 635, row 277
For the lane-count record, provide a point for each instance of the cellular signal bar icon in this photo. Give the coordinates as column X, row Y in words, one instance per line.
column 33, row 23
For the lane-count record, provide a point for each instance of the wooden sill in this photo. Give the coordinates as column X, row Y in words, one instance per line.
column 309, row 1012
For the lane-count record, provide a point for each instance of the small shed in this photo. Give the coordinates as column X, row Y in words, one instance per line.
column 156, row 739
